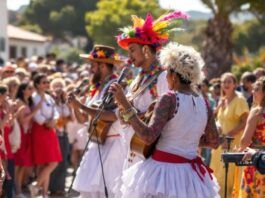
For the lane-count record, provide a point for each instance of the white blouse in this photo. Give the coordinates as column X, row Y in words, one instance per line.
column 47, row 111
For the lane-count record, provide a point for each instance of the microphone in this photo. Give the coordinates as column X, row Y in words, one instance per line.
column 124, row 72
column 78, row 89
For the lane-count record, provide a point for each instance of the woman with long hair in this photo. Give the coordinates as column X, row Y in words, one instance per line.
column 23, row 157
column 45, row 145
column 254, row 136
column 232, row 111
column 180, row 119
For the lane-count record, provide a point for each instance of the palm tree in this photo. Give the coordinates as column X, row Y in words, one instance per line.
column 218, row 46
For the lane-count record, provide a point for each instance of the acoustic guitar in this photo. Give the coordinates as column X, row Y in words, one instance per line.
column 137, row 145
column 99, row 134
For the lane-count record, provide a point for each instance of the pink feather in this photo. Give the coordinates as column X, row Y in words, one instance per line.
column 147, row 30
column 148, row 24
column 174, row 15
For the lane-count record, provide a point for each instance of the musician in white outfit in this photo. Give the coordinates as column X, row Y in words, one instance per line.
column 182, row 121
column 89, row 178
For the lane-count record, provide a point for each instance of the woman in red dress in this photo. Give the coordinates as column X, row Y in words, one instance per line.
column 3, row 119
column 23, row 157
column 45, row 145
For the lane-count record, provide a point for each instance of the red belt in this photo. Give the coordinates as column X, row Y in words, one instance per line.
column 162, row 156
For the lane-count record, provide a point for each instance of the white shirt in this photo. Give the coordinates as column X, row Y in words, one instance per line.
column 47, row 111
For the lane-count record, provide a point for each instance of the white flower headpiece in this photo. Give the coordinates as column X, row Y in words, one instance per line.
column 184, row 60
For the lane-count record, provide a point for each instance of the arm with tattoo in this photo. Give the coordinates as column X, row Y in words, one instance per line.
column 210, row 138
column 164, row 110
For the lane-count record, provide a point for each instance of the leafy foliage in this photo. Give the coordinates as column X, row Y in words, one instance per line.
column 58, row 18
column 248, row 62
column 250, row 36
column 104, row 23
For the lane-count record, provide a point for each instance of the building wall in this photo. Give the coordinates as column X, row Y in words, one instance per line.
column 3, row 30
column 26, row 48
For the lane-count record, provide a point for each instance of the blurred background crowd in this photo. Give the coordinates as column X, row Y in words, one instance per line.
column 229, row 97
column 230, row 36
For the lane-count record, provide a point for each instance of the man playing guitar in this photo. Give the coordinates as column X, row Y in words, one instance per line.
column 89, row 180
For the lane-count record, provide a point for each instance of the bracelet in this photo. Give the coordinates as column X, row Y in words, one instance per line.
column 129, row 114
column 126, row 111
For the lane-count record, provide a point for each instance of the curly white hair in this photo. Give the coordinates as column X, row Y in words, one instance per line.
column 183, row 60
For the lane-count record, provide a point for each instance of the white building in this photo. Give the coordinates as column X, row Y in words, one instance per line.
column 3, row 31
column 16, row 42
column 25, row 43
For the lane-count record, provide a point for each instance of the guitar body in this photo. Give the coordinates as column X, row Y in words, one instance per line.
column 137, row 145
column 100, row 133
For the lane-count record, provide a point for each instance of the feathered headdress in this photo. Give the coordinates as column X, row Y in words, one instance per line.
column 150, row 32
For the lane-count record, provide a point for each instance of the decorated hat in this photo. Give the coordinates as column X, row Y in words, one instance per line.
column 104, row 54
column 150, row 32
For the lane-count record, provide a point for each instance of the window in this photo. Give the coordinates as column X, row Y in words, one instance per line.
column 13, row 51
column 2, row 44
column 35, row 51
column 24, row 52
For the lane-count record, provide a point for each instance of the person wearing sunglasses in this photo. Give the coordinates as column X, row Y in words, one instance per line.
column 45, row 144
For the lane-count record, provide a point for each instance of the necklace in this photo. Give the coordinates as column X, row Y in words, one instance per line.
column 153, row 70
column 94, row 89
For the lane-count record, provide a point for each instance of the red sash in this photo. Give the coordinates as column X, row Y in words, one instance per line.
column 162, row 156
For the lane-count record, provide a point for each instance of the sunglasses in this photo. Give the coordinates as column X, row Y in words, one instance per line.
column 45, row 82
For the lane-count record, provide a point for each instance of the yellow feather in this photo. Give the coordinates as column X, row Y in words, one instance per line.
column 160, row 25
column 137, row 22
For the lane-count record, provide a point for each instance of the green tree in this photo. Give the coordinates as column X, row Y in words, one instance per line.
column 58, row 18
column 103, row 24
column 218, row 46
column 249, row 35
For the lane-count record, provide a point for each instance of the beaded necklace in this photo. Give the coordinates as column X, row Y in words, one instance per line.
column 153, row 70
column 94, row 89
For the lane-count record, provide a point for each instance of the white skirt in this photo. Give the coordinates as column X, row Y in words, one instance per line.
column 89, row 176
column 151, row 178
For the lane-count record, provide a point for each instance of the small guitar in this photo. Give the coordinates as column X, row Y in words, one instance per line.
column 137, row 145
column 100, row 132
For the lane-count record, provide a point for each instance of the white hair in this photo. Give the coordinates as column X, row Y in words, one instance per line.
column 183, row 60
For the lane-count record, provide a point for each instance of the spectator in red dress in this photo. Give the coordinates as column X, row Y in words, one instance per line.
column 23, row 157
column 45, row 145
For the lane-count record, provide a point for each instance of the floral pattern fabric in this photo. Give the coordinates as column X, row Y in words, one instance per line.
column 253, row 183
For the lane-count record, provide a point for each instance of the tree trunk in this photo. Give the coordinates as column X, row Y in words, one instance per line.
column 217, row 46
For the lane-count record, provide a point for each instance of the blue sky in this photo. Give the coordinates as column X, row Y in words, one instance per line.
column 184, row 5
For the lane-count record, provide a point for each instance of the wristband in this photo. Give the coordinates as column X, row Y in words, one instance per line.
column 129, row 114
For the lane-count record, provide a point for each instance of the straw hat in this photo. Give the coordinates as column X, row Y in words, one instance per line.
column 104, row 54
